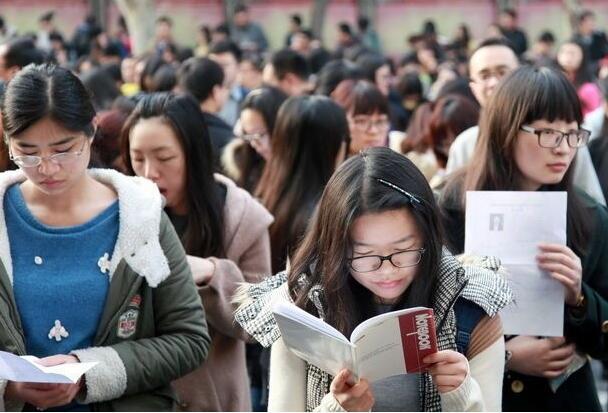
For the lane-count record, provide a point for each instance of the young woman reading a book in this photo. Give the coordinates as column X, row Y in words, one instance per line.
column 375, row 245
column 529, row 135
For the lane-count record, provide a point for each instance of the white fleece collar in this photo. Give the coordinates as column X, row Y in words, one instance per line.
column 140, row 206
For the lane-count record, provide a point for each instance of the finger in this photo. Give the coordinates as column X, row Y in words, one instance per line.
column 559, row 268
column 448, row 369
column 445, row 389
column 444, row 356
column 551, row 247
column 560, row 364
column 551, row 374
column 563, row 352
column 443, row 380
column 338, row 384
column 557, row 257
column 359, row 389
column 555, row 342
column 559, row 248
column 53, row 360
column 61, row 397
column 564, row 280
column 42, row 399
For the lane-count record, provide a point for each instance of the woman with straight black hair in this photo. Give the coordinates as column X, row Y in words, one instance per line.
column 375, row 245
column 245, row 157
column 223, row 229
column 92, row 270
column 529, row 134
column 310, row 139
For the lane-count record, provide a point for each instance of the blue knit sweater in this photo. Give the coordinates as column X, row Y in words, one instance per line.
column 58, row 282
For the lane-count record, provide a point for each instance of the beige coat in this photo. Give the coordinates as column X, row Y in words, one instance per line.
column 221, row 383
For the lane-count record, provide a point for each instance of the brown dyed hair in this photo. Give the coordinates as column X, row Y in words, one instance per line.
column 451, row 116
column 524, row 96
column 360, row 97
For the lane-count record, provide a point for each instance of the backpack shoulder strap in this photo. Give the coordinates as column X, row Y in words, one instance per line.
column 468, row 315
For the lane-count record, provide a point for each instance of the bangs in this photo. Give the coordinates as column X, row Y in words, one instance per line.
column 550, row 96
column 367, row 100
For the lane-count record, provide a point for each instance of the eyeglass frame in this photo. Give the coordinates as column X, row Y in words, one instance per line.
column 250, row 137
column 388, row 258
column 368, row 127
column 53, row 158
column 563, row 135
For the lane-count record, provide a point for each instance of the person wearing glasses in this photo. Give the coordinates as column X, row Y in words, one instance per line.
column 529, row 135
column 245, row 157
column 367, row 111
column 374, row 245
column 493, row 59
column 92, row 270
column 223, row 229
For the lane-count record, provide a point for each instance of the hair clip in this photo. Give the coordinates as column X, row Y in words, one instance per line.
column 413, row 199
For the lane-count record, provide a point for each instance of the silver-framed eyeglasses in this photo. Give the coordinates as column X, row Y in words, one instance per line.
column 551, row 138
column 401, row 259
column 32, row 161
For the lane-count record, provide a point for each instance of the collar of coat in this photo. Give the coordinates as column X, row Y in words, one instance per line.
column 140, row 207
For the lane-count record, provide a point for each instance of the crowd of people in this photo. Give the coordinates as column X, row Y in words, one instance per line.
column 155, row 206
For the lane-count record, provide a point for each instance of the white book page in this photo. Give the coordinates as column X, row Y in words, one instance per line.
column 313, row 340
column 510, row 225
column 379, row 350
column 360, row 329
column 26, row 369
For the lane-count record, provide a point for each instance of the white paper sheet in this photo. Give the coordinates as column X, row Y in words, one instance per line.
column 510, row 225
column 25, row 369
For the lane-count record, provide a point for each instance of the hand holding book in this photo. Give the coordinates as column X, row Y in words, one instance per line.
column 356, row 397
column 386, row 345
column 448, row 368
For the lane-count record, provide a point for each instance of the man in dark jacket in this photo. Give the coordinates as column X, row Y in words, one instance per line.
column 204, row 79
column 594, row 41
column 509, row 29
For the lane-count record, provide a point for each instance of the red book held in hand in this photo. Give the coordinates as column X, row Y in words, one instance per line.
column 386, row 345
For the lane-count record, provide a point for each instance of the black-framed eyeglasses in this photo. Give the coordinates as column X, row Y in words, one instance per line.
column 551, row 138
column 401, row 259
column 32, row 161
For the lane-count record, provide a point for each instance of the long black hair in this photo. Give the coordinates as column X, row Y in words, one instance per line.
column 374, row 181
column 204, row 233
column 308, row 136
column 266, row 101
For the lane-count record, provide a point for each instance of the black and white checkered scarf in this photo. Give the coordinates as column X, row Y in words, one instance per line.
column 477, row 280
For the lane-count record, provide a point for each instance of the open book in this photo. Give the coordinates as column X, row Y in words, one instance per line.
column 386, row 345
column 26, row 369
